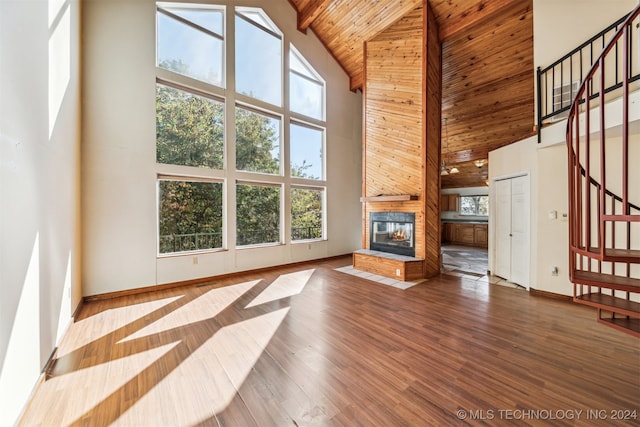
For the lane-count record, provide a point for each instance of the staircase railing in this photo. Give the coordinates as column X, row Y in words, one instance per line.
column 558, row 82
column 604, row 224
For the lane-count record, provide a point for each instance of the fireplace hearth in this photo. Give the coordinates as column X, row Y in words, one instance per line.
column 392, row 232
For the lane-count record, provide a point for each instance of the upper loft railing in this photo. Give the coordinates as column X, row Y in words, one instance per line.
column 558, row 83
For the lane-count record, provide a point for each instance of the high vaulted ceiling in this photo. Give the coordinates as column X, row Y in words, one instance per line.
column 487, row 62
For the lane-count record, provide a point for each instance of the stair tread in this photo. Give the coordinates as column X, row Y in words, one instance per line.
column 610, row 303
column 623, row 255
column 628, row 325
column 603, row 280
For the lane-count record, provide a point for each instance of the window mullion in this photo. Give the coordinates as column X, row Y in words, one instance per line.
column 230, row 220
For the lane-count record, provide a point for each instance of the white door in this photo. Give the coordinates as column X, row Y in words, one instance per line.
column 520, row 231
column 503, row 228
column 512, row 230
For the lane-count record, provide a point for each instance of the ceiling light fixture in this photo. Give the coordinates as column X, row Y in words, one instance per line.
column 479, row 163
column 443, row 167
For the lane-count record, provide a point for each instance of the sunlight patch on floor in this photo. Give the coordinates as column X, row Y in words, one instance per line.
column 217, row 369
column 202, row 308
column 78, row 392
column 93, row 328
column 286, row 285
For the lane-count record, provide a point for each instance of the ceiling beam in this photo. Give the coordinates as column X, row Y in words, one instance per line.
column 459, row 20
column 310, row 13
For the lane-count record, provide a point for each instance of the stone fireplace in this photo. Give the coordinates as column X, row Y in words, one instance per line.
column 392, row 232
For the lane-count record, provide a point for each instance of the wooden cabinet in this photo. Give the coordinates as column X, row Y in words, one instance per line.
column 449, row 202
column 449, row 232
column 466, row 234
column 481, row 235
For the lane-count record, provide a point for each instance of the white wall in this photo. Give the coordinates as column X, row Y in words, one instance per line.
column 39, row 189
column 547, row 162
column 119, row 168
column 562, row 25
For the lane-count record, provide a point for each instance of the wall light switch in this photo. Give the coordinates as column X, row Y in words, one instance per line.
column 553, row 214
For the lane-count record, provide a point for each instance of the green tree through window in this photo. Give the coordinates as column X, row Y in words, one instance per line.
column 190, row 216
column 189, row 129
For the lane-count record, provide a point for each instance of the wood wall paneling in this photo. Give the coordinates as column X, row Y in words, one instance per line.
column 487, row 72
column 432, row 118
column 488, row 82
column 401, row 148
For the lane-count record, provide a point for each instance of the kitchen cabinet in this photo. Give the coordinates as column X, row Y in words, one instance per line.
column 464, row 233
column 449, row 202
column 481, row 235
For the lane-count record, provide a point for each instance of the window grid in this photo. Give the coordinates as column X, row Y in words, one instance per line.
column 289, row 187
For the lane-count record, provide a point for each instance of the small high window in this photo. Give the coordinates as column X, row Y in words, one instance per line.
column 190, row 41
column 306, row 87
column 258, row 56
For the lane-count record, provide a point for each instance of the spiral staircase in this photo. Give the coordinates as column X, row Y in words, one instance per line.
column 604, row 184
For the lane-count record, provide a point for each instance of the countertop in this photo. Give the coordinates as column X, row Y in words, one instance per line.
column 464, row 221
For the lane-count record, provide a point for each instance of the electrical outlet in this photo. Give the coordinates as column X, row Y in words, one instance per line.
column 397, row 272
column 195, row 260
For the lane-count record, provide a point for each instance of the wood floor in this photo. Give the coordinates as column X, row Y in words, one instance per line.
column 310, row 346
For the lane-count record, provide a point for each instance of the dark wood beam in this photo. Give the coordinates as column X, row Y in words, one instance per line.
column 310, row 13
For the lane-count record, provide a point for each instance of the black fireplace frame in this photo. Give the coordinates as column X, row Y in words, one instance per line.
column 392, row 217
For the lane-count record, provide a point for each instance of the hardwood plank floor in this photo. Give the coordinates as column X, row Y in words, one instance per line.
column 310, row 346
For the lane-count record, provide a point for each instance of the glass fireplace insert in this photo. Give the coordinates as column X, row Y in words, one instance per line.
column 392, row 232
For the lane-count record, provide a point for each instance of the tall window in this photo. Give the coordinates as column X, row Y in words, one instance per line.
column 278, row 150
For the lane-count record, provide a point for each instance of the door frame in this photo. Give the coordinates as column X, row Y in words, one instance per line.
column 492, row 224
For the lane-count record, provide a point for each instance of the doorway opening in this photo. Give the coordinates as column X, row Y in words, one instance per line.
column 465, row 260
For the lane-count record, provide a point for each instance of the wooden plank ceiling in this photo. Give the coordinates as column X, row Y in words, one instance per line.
column 487, row 63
